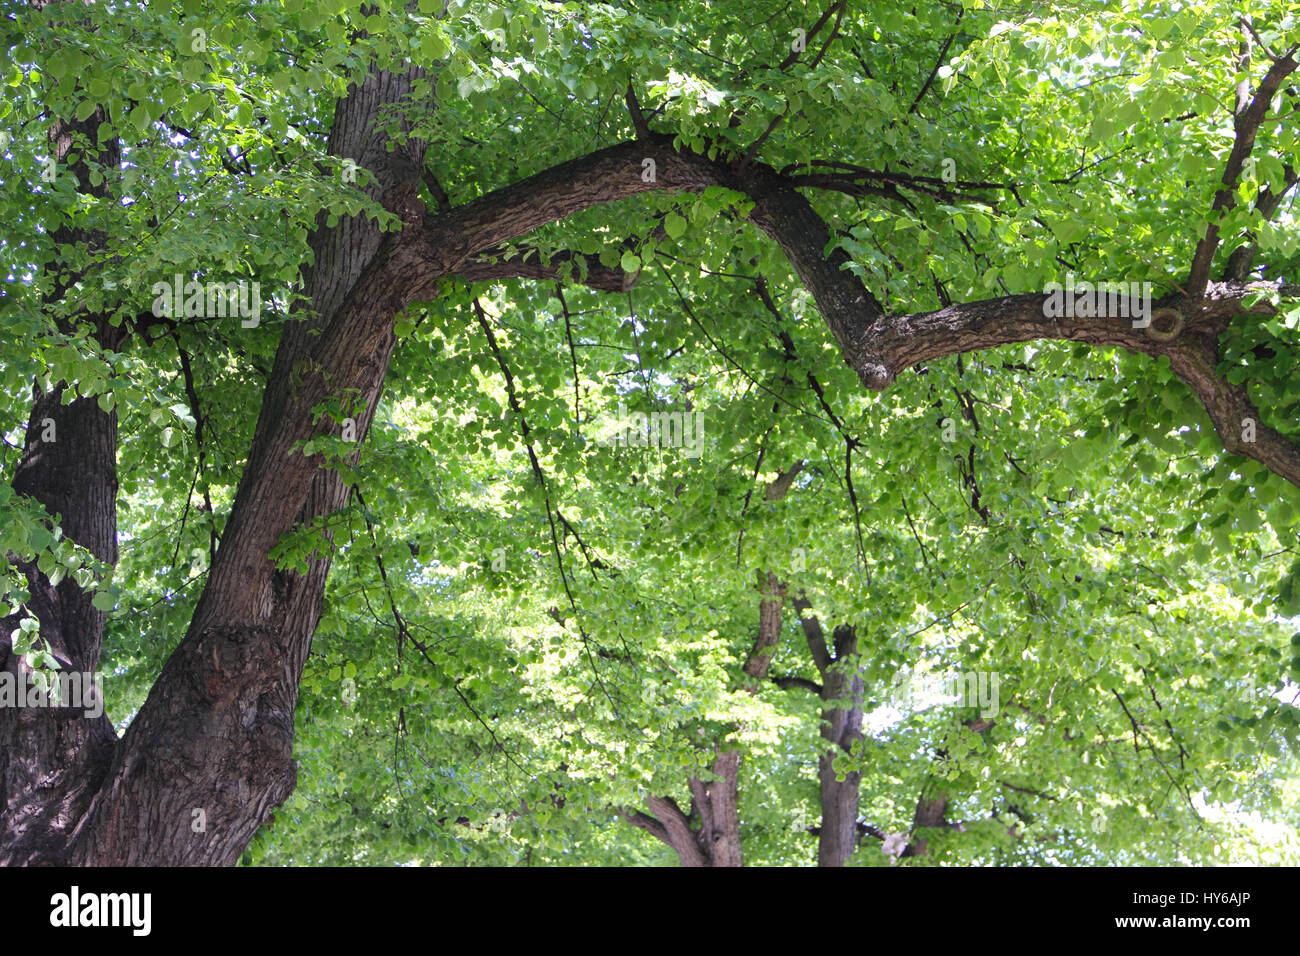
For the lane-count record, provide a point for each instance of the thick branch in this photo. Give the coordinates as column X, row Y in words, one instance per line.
column 798, row 683
column 607, row 175
column 648, row 823
column 812, row 631
column 1246, row 124
column 876, row 346
column 906, row 341
column 1234, row 415
column 674, row 829
column 769, row 627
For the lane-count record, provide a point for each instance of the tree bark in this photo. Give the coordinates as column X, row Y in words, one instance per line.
column 209, row 756
column 931, row 814
column 842, row 726
column 842, row 692
column 716, row 842
column 52, row 760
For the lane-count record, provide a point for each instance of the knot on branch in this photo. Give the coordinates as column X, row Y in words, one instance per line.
column 1166, row 324
column 875, row 376
column 233, row 661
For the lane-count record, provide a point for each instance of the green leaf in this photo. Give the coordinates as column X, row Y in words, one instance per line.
column 432, row 47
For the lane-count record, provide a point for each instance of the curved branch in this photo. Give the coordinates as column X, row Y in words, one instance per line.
column 606, row 175
column 877, row 346
column 797, row 683
column 1246, row 125
column 901, row 342
column 673, row 828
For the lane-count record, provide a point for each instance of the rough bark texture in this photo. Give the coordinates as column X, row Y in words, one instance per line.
column 842, row 691
column 716, row 842
column 842, row 726
column 52, row 760
column 209, row 756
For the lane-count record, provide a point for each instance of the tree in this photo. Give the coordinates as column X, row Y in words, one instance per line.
column 784, row 220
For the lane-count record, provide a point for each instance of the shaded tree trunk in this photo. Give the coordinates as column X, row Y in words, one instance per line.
column 842, row 726
column 52, row 760
column 716, row 841
column 841, row 691
column 930, row 814
column 209, row 756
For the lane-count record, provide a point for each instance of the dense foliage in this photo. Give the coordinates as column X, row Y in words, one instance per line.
column 527, row 630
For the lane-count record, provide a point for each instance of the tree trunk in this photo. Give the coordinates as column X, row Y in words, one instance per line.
column 931, row 813
column 52, row 760
column 209, row 756
column 842, row 726
column 715, row 803
column 842, row 689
